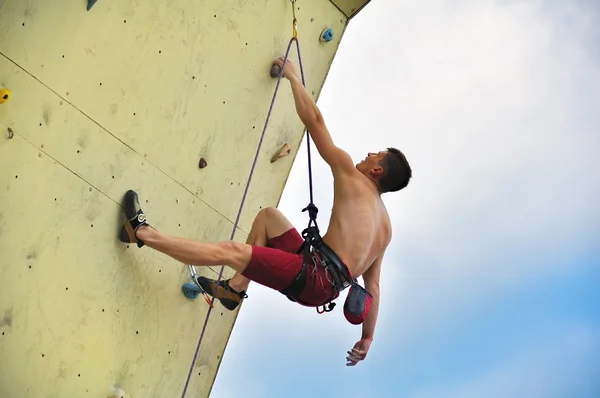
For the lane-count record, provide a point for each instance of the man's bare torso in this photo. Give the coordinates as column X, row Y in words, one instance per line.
column 359, row 229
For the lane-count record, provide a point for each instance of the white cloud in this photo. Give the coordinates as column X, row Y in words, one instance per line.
column 494, row 105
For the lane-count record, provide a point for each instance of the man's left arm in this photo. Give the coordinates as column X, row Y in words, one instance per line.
column 371, row 278
column 361, row 348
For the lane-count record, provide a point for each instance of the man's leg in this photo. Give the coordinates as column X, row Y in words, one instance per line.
column 233, row 254
column 268, row 224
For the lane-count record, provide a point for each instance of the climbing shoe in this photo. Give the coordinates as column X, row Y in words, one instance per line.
column 135, row 219
column 222, row 292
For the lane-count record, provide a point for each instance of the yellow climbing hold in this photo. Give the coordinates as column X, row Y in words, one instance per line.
column 4, row 95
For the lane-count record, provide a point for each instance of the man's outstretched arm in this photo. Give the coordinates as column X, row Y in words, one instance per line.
column 311, row 117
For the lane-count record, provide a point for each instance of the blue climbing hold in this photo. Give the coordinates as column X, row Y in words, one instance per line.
column 191, row 290
column 91, row 4
column 327, row 35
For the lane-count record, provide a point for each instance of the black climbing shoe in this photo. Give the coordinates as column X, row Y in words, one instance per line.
column 222, row 292
column 135, row 219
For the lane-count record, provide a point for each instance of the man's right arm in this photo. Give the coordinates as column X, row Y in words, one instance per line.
column 311, row 117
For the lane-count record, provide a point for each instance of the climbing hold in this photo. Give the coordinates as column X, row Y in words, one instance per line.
column 191, row 290
column 285, row 150
column 91, row 4
column 326, row 35
column 118, row 393
column 275, row 70
column 4, row 95
column 202, row 164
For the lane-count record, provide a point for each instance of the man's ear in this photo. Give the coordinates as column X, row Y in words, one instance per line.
column 377, row 171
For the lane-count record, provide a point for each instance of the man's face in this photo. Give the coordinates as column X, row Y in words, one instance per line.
column 371, row 163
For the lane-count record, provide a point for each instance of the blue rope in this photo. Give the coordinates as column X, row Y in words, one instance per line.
column 246, row 192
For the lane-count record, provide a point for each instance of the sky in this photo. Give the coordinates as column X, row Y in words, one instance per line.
column 490, row 286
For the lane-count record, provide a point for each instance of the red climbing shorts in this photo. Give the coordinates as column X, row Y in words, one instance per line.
column 277, row 265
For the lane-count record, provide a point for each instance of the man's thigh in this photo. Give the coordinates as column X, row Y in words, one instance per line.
column 289, row 241
column 273, row 267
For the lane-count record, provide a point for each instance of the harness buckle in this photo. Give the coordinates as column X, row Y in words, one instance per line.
column 328, row 307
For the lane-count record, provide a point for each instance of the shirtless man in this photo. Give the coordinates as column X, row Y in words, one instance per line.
column 359, row 230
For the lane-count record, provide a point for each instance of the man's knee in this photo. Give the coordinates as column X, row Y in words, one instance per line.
column 269, row 212
column 236, row 254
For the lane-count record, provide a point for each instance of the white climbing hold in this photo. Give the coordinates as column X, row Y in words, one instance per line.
column 117, row 393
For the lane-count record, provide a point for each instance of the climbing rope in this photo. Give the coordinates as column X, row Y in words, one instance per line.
column 311, row 207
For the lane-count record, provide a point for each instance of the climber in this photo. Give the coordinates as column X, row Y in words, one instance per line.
column 354, row 245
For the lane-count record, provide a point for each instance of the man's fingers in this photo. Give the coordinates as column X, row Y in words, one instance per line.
column 358, row 353
column 355, row 356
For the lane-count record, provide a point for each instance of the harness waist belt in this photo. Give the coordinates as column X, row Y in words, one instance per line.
column 328, row 259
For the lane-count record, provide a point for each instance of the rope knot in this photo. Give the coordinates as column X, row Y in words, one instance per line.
column 312, row 211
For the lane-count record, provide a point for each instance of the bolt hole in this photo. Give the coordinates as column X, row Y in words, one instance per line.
column 30, row 266
column 43, row 355
column 159, row 270
column 169, row 352
column 79, row 375
column 78, row 151
column 102, row 309
column 92, row 225
column 215, row 15
column 40, row 124
column 124, row 21
column 113, row 177
column 193, row 77
column 16, row 176
column 63, row 56
column 136, row 332
column 159, row 51
column 133, row 113
column 55, row 199
column 180, row 225
column 67, row 288
column 100, row 83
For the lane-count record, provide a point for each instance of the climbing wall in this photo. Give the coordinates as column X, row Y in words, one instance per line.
column 132, row 95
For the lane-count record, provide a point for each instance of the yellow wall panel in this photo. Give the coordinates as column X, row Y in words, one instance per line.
column 126, row 96
column 179, row 83
column 350, row 7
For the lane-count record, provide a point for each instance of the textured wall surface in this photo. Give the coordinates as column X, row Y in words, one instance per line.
column 130, row 95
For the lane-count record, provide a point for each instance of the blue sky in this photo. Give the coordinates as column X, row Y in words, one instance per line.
column 490, row 287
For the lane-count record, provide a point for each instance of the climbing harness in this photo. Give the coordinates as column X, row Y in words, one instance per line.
column 312, row 209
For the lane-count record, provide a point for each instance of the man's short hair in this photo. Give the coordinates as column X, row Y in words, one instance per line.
column 396, row 171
